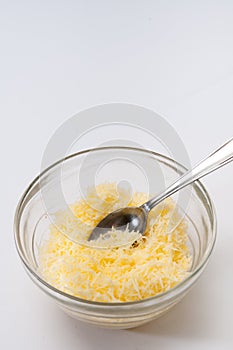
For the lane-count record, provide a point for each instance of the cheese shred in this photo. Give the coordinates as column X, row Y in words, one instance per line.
column 152, row 264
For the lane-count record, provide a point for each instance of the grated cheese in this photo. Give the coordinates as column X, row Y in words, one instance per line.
column 153, row 264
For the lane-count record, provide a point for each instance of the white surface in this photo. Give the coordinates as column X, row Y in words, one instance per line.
column 58, row 57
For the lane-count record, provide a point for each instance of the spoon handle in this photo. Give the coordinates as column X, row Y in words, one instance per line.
column 215, row 160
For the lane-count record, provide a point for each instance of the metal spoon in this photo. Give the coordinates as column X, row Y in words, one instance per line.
column 135, row 218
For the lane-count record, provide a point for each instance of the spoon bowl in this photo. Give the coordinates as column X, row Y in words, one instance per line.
column 129, row 218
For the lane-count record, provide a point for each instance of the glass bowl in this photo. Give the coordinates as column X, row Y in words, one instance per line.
column 144, row 170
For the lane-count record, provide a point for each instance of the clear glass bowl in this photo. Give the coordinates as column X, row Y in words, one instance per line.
column 32, row 224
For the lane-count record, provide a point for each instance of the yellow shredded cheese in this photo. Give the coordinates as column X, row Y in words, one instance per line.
column 153, row 264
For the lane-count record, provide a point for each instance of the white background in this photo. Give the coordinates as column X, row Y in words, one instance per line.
column 58, row 57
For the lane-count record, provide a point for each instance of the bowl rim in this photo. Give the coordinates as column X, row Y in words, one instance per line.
column 158, row 297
